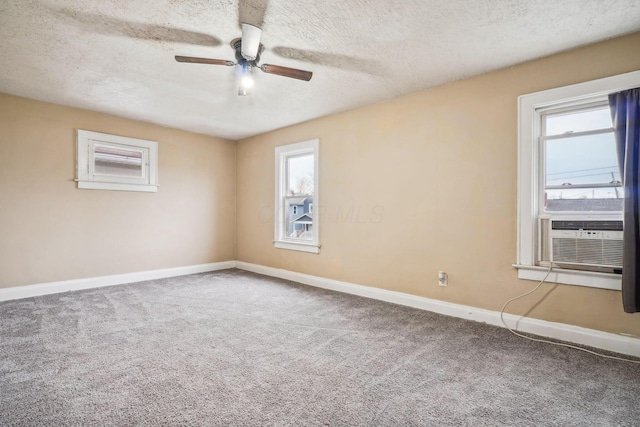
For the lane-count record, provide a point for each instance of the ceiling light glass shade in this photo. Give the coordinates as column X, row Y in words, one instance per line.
column 246, row 85
column 247, row 81
column 245, row 78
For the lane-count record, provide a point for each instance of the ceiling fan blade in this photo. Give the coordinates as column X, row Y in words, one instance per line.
column 343, row 62
column 101, row 24
column 204, row 61
column 250, row 41
column 287, row 72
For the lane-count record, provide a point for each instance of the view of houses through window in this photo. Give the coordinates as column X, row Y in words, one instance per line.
column 297, row 190
column 299, row 198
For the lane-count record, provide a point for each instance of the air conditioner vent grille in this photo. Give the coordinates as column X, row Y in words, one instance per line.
column 601, row 252
column 582, row 243
column 615, row 225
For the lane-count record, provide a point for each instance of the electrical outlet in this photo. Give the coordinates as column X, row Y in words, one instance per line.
column 443, row 279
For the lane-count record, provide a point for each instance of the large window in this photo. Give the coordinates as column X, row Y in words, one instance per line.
column 568, row 180
column 296, row 225
column 110, row 162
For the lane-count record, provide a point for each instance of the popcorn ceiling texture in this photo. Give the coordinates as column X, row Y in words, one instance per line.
column 232, row 348
column 116, row 56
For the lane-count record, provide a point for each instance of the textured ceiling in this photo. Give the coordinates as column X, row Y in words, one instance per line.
column 117, row 56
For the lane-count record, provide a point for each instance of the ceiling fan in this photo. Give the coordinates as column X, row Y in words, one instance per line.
column 248, row 49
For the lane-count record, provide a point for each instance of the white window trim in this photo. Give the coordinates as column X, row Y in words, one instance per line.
column 87, row 180
column 529, row 179
column 280, row 241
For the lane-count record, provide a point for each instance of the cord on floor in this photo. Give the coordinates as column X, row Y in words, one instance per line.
column 552, row 342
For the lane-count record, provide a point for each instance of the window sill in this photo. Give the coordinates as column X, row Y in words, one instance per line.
column 589, row 279
column 95, row 185
column 295, row 246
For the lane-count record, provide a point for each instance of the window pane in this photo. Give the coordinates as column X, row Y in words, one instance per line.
column 560, row 123
column 582, row 161
column 298, row 218
column 584, row 200
column 117, row 161
column 300, row 175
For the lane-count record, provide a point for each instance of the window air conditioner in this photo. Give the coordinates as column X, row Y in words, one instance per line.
column 585, row 243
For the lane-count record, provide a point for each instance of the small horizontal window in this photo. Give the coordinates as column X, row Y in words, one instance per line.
column 110, row 162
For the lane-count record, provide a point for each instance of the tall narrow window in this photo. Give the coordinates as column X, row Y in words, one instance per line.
column 296, row 225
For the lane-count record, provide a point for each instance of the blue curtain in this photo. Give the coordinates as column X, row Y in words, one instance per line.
column 625, row 113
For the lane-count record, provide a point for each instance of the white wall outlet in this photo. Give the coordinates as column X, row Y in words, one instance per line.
column 442, row 278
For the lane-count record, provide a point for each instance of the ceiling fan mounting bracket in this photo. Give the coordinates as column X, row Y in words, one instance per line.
column 236, row 44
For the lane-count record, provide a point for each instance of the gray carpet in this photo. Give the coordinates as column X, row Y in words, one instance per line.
column 232, row 348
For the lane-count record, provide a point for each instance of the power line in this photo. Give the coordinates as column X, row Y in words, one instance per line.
column 578, row 176
column 583, row 170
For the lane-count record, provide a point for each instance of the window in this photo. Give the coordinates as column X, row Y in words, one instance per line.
column 581, row 171
column 109, row 162
column 567, row 169
column 296, row 226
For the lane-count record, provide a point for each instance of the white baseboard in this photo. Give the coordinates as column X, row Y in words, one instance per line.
column 27, row 291
column 575, row 334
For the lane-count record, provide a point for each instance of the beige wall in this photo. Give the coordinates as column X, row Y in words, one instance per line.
column 50, row 230
column 423, row 183
column 427, row 182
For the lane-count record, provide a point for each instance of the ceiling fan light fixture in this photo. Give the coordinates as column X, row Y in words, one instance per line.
column 247, row 53
column 245, row 78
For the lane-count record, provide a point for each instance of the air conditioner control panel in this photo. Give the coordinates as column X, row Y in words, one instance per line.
column 587, row 234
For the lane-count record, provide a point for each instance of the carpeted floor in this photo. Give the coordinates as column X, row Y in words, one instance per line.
column 232, row 348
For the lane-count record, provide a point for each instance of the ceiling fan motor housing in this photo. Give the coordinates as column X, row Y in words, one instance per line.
column 236, row 44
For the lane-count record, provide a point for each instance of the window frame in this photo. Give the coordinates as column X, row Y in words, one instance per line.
column 531, row 179
column 281, row 241
column 85, row 163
